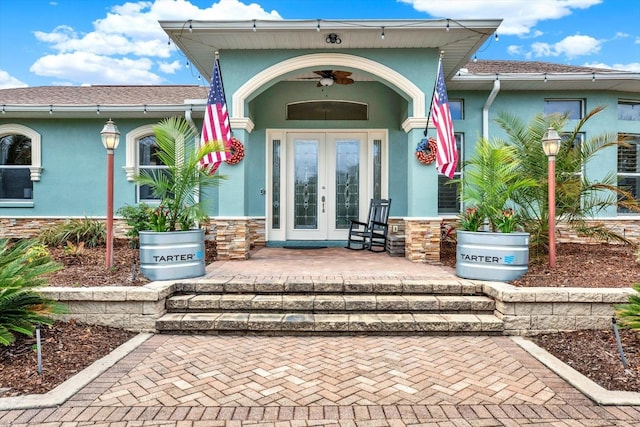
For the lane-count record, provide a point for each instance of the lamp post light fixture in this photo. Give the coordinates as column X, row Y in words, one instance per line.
column 551, row 146
column 110, row 139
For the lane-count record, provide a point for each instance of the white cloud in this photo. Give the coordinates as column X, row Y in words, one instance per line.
column 519, row 16
column 569, row 47
column 89, row 68
column 169, row 67
column 633, row 67
column 7, row 81
column 129, row 34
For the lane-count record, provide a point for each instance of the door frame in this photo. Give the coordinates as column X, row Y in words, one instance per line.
column 278, row 138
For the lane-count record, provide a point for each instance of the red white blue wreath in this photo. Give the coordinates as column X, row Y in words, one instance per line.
column 237, row 152
column 426, row 151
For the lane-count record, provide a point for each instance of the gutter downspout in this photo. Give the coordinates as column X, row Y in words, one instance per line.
column 487, row 105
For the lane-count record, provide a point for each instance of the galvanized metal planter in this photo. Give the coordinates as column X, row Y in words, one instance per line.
column 172, row 255
column 498, row 257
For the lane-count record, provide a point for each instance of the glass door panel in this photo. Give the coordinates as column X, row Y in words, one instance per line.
column 305, row 178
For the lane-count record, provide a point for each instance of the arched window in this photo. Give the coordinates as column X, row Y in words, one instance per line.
column 19, row 162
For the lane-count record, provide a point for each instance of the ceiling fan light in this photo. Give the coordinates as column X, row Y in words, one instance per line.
column 326, row 81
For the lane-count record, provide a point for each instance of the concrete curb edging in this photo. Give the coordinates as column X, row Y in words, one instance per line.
column 64, row 391
column 589, row 388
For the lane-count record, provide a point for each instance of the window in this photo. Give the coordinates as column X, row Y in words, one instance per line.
column 20, row 164
column 573, row 107
column 15, row 159
column 629, row 110
column 327, row 110
column 148, row 160
column 456, row 106
column 629, row 167
column 448, row 193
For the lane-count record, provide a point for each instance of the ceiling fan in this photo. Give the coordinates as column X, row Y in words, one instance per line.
column 329, row 77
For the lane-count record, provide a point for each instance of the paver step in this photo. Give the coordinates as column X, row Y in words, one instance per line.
column 240, row 284
column 326, row 323
column 331, row 303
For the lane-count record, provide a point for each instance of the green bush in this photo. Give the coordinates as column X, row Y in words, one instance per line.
column 629, row 314
column 138, row 218
column 21, row 308
column 90, row 231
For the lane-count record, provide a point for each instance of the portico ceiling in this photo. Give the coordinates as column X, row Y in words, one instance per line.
column 459, row 39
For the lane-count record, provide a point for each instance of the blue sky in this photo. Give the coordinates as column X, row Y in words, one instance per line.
column 75, row 42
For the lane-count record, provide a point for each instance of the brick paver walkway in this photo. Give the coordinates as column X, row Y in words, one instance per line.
column 288, row 381
column 192, row 381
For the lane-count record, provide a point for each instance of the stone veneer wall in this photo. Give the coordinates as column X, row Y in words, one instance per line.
column 23, row 228
column 422, row 240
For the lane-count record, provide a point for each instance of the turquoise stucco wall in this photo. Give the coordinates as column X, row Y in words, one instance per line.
column 388, row 108
column 73, row 181
column 385, row 108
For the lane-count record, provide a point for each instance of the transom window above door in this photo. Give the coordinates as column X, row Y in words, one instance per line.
column 327, row 110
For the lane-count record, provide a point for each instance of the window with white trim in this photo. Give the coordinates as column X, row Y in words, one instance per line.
column 148, row 160
column 448, row 202
column 20, row 163
column 15, row 159
column 629, row 167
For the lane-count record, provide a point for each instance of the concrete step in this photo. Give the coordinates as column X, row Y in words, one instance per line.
column 270, row 322
column 260, row 285
column 331, row 303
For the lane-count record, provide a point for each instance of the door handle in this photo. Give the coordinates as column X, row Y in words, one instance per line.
column 322, row 204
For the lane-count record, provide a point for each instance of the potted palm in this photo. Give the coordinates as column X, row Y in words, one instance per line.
column 490, row 243
column 173, row 248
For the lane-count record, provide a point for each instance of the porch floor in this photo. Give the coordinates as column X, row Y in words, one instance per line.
column 327, row 262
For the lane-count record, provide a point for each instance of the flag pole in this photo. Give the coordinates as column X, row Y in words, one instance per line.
column 435, row 83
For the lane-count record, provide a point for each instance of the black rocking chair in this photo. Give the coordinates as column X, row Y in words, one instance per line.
column 371, row 235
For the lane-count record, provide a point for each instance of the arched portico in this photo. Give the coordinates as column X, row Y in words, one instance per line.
column 389, row 77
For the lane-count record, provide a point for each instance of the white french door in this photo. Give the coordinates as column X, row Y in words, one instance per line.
column 318, row 180
column 325, row 185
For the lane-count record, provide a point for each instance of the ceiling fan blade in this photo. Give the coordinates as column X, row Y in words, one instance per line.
column 339, row 73
column 344, row 81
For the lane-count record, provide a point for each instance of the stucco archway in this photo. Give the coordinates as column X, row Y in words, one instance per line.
column 406, row 86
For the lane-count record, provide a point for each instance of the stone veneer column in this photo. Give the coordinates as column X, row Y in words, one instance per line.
column 233, row 237
column 422, row 240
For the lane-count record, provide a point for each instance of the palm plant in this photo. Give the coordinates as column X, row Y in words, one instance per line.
column 489, row 181
column 178, row 186
column 21, row 307
column 579, row 199
column 629, row 314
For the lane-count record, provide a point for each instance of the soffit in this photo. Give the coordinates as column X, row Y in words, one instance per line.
column 199, row 40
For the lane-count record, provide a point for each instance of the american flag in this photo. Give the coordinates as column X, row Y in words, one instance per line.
column 216, row 127
column 447, row 153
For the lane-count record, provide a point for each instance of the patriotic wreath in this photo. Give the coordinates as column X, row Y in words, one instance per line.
column 426, row 151
column 237, row 152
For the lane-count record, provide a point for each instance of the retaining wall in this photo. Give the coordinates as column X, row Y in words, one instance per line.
column 524, row 311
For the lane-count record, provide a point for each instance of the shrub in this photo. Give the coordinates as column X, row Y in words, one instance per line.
column 21, row 308
column 629, row 314
column 138, row 218
column 90, row 231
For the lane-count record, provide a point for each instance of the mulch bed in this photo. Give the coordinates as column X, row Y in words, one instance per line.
column 67, row 348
